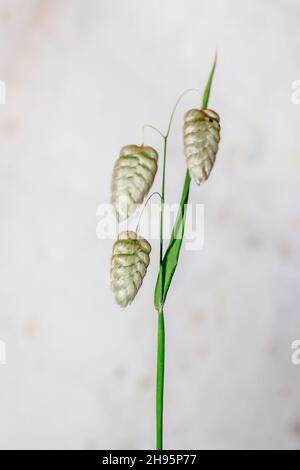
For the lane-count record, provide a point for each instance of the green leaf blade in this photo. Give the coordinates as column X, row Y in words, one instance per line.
column 171, row 256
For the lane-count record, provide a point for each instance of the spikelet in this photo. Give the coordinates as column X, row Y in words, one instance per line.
column 201, row 136
column 129, row 262
column 132, row 178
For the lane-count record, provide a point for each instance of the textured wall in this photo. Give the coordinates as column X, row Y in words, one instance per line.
column 82, row 77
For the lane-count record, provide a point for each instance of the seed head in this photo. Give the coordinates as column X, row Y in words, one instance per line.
column 132, row 178
column 129, row 262
column 201, row 137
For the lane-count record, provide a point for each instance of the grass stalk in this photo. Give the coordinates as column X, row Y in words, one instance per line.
column 168, row 264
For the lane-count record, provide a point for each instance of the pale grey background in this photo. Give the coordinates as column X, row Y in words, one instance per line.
column 82, row 77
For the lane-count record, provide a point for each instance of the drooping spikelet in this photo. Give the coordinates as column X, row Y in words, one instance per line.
column 201, row 136
column 132, row 178
column 129, row 262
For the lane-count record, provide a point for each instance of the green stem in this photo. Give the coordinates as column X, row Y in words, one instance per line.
column 179, row 225
column 161, row 323
column 163, row 200
column 160, row 380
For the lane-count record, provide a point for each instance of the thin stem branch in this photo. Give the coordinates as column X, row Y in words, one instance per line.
column 156, row 193
column 149, row 126
column 176, row 104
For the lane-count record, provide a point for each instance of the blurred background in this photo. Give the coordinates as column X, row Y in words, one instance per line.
column 82, row 77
